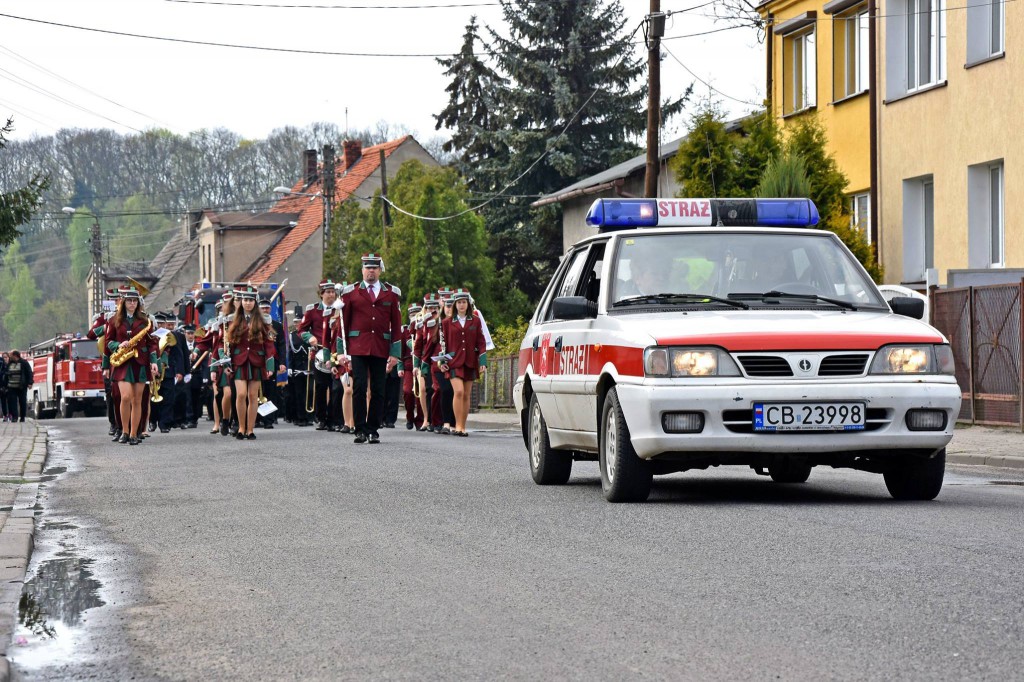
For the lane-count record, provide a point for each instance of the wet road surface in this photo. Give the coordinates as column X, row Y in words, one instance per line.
column 303, row 556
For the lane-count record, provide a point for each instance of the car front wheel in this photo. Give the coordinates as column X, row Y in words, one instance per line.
column 548, row 466
column 624, row 476
column 917, row 479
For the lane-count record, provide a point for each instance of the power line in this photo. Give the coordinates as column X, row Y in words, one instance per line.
column 43, row 69
column 15, row 78
column 735, row 99
column 292, row 50
column 282, row 6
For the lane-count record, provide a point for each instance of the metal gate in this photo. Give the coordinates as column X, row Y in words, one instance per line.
column 983, row 325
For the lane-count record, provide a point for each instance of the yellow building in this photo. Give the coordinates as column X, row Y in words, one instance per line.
column 819, row 65
column 951, row 154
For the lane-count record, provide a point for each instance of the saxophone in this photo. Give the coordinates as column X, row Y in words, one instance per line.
column 129, row 349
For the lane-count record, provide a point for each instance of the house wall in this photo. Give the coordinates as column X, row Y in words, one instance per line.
column 941, row 133
column 239, row 248
column 846, row 122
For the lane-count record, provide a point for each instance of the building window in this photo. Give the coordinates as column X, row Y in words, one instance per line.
column 850, row 33
column 926, row 43
column 800, row 63
column 860, row 213
column 918, row 228
column 986, row 32
column 986, row 235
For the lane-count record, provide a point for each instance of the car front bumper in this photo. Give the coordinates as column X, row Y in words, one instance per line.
column 727, row 411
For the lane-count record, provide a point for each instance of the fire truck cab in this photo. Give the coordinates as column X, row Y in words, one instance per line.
column 68, row 377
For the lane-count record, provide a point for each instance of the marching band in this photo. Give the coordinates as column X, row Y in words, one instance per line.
column 349, row 365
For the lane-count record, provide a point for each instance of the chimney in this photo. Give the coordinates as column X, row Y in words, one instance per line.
column 353, row 149
column 309, row 166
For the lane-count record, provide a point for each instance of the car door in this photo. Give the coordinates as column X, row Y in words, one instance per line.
column 547, row 338
column 572, row 343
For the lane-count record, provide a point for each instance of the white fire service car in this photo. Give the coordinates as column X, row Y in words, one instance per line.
column 698, row 332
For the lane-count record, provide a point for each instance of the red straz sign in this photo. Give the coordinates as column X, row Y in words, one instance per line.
column 684, row 212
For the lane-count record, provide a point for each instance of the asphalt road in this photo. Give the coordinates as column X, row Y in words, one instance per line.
column 303, row 556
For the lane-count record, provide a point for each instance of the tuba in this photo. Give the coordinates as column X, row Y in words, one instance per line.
column 130, row 348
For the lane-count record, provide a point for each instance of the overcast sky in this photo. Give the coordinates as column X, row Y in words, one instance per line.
column 55, row 77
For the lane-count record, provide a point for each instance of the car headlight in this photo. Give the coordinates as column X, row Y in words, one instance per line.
column 916, row 359
column 689, row 362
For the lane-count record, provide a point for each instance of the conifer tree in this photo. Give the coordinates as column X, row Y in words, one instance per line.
column 472, row 108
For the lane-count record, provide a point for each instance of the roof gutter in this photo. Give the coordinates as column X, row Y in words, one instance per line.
column 582, row 192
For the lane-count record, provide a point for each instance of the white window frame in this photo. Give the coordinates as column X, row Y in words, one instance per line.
column 803, row 73
column 996, row 218
column 857, row 201
column 925, row 17
column 855, row 55
column 997, row 27
column 918, row 228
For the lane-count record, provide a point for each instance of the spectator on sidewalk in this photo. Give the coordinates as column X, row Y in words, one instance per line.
column 4, row 359
column 19, row 378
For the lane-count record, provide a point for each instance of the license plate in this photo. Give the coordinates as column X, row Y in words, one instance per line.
column 809, row 416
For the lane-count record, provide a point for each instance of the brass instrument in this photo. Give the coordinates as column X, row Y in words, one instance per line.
column 200, row 359
column 166, row 341
column 310, row 388
column 154, row 395
column 130, row 348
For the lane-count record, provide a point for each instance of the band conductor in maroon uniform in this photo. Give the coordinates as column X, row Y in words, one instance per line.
column 373, row 327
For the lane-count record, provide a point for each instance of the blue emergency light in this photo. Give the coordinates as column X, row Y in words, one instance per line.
column 617, row 214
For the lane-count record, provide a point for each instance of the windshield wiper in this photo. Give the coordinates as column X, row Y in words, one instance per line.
column 679, row 298
column 807, row 297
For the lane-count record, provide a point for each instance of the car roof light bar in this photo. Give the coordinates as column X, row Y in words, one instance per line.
column 609, row 215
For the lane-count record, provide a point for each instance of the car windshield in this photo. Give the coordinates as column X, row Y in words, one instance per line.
column 84, row 350
column 762, row 269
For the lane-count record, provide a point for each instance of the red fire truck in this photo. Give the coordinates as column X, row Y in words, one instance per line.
column 68, row 377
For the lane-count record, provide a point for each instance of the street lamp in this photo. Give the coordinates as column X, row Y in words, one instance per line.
column 97, row 258
column 281, row 189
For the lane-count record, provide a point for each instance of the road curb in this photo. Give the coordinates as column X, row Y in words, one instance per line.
column 21, row 467
column 1001, row 461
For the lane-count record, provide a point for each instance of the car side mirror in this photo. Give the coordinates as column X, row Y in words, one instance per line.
column 907, row 306
column 573, row 308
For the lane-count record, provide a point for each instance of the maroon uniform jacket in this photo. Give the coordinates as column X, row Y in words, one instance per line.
column 318, row 323
column 372, row 326
column 255, row 353
column 427, row 347
column 115, row 335
column 406, row 338
column 465, row 343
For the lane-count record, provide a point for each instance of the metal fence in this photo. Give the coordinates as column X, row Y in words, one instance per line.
column 983, row 325
column 494, row 388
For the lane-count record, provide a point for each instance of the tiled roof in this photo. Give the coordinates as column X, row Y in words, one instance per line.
column 311, row 210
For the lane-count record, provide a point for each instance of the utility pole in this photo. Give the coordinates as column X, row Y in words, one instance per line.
column 655, row 32
column 327, row 188
column 96, row 246
column 384, row 196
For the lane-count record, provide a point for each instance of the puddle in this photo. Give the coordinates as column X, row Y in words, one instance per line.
column 51, row 611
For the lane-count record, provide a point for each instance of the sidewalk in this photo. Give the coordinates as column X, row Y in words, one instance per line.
column 22, row 454
column 994, row 447
column 979, row 445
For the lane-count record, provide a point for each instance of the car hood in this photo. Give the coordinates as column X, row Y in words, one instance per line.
column 756, row 330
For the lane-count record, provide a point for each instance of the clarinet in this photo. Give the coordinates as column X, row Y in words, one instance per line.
column 444, row 346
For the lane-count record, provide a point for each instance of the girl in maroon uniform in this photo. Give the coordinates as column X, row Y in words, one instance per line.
column 133, row 375
column 465, row 344
column 252, row 359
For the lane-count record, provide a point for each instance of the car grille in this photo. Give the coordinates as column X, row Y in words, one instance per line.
column 765, row 366
column 742, row 421
column 838, row 365
column 843, row 365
